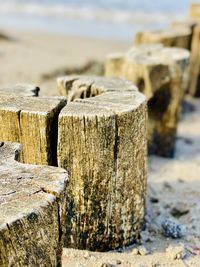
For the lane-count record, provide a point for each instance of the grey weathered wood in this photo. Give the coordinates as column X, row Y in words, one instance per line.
column 32, row 211
column 162, row 75
column 102, row 143
column 171, row 37
column 20, row 90
column 33, row 123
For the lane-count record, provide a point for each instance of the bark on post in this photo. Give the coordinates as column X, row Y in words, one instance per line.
column 102, row 143
column 162, row 75
column 33, row 123
column 172, row 37
column 32, row 211
column 194, row 86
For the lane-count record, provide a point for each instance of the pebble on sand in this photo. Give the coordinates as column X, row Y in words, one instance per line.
column 141, row 250
column 176, row 252
column 173, row 229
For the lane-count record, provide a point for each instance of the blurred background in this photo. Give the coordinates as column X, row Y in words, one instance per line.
column 113, row 19
column 43, row 39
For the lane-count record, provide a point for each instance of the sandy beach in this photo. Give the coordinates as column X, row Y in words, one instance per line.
column 29, row 56
column 174, row 185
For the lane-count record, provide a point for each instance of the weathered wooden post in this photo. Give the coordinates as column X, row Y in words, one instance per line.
column 102, row 143
column 162, row 75
column 171, row 37
column 194, row 86
column 189, row 23
column 194, row 23
column 32, row 211
column 33, row 122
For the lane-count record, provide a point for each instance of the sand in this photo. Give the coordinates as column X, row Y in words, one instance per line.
column 174, row 184
column 29, row 56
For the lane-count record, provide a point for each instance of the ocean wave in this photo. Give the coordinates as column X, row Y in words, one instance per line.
column 89, row 13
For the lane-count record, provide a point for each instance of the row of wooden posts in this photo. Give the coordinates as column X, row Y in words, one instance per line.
column 95, row 135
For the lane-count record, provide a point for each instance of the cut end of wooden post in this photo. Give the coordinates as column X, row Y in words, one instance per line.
column 32, row 213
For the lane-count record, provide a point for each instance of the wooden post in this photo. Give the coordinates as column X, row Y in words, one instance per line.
column 102, row 143
column 194, row 11
column 189, row 23
column 32, row 211
column 194, row 86
column 194, row 23
column 33, row 123
column 115, row 64
column 162, row 75
column 171, row 37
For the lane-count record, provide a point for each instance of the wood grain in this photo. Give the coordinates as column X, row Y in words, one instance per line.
column 102, row 143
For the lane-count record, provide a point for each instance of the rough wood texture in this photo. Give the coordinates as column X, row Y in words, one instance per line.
column 171, row 37
column 33, row 123
column 102, row 143
column 32, row 211
column 20, row 90
column 162, row 75
column 194, row 86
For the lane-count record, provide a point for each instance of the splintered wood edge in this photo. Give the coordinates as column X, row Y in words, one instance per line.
column 114, row 95
column 101, row 84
